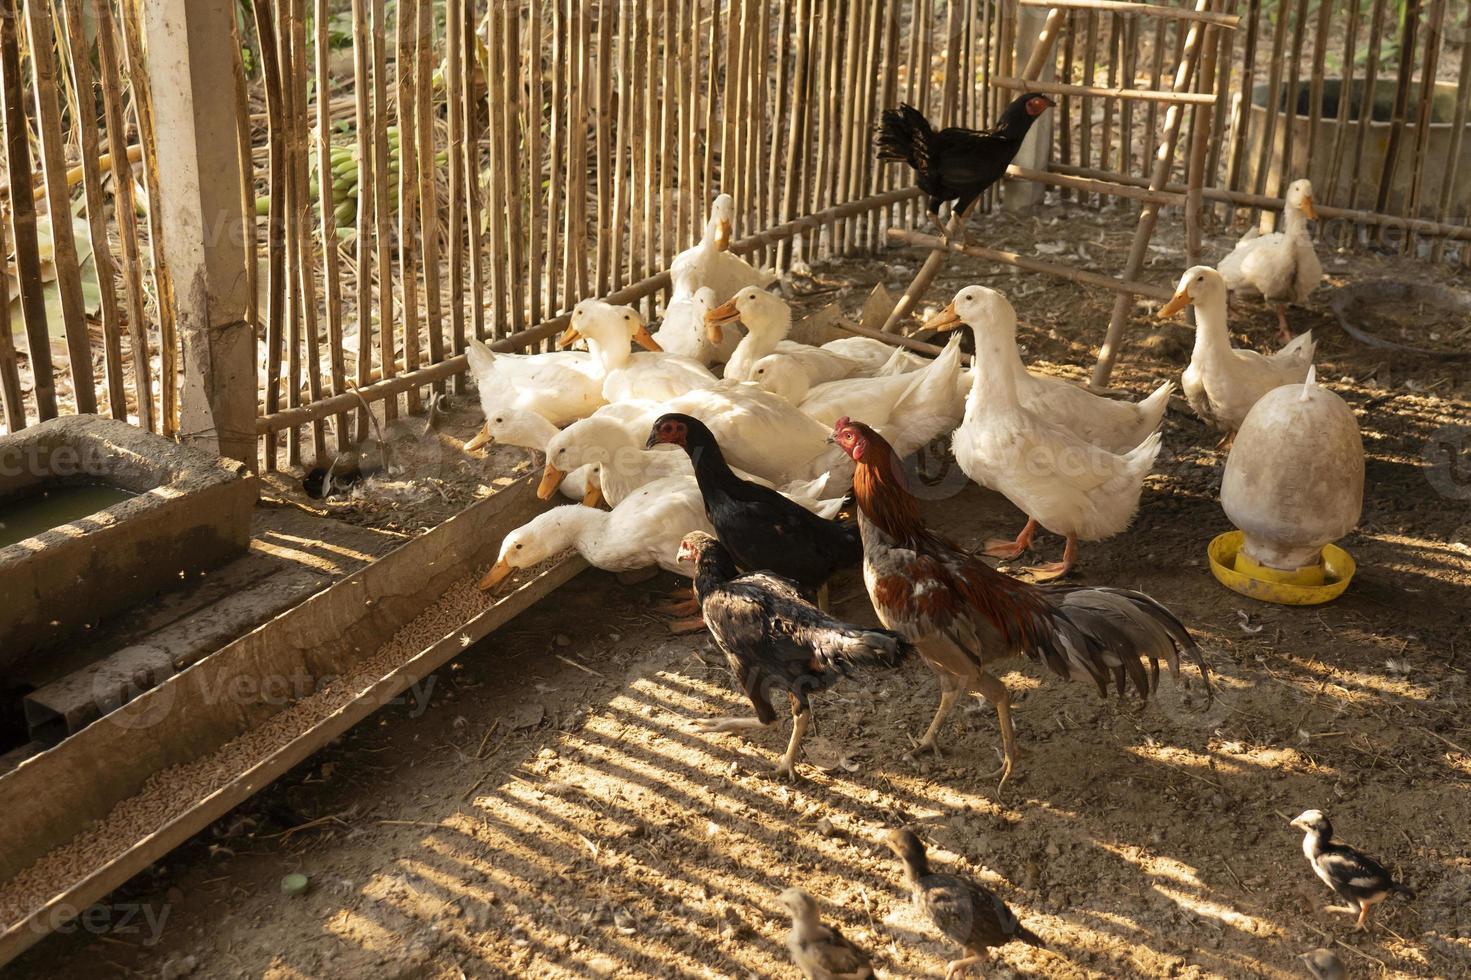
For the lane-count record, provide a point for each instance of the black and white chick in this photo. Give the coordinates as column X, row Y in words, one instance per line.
column 776, row 641
column 1324, row 964
column 964, row 910
column 1356, row 878
column 821, row 952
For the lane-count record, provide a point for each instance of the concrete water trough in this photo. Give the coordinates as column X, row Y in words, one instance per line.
column 97, row 515
column 1313, row 158
column 86, row 815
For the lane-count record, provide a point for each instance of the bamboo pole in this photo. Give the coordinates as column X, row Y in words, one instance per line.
column 648, row 154
column 1248, row 89
column 42, row 33
column 331, row 278
column 1449, row 171
column 1109, row 92
column 556, row 162
column 1366, row 104
column 1131, row 74
column 294, row 212
column 306, row 260
column 1433, row 26
column 85, row 125
column 1226, row 45
column 1065, row 107
column 1201, row 130
column 125, row 209
column 382, row 208
column 1274, row 98
column 517, row 295
column 276, row 125
column 531, row 126
column 472, row 131
column 1105, row 142
column 668, row 155
column 425, row 56
column 798, row 141
column 503, row 209
column 23, row 213
column 1315, row 99
column 1149, row 214
column 1288, row 171
column 368, row 179
column 1090, row 63
column 784, row 106
column 406, row 79
column 1409, row 28
column 1345, row 99
column 603, row 107
column 168, row 339
column 456, row 96
column 11, row 399
column 623, row 149
column 245, row 159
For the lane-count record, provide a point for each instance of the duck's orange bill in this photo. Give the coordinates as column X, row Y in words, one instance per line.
column 498, row 574
column 594, row 495
column 716, row 319
column 1308, row 209
column 1177, row 303
column 722, row 236
column 569, row 337
column 946, row 319
column 646, row 340
column 551, row 478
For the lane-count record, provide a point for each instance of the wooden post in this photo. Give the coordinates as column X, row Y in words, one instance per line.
column 204, row 240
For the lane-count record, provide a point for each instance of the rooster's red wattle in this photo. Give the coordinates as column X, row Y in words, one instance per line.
column 963, row 616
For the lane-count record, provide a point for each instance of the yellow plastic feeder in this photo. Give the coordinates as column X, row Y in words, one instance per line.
column 1294, row 483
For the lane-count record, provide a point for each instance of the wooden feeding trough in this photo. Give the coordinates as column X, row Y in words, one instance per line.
column 84, row 817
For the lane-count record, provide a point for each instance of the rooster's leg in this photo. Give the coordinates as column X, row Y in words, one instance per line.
column 1363, row 922
column 1283, row 330
column 950, row 691
column 1057, row 569
column 1226, row 440
column 683, row 607
column 801, row 718
column 944, row 232
column 1011, row 550
column 679, row 627
column 994, row 691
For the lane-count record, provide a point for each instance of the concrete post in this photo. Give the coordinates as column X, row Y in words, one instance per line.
column 1020, row 195
column 189, row 60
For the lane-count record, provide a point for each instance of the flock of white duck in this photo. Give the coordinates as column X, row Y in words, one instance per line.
column 1072, row 461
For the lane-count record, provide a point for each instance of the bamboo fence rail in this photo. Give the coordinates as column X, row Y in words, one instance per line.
column 424, row 171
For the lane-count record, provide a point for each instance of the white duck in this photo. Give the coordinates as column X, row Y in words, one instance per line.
column 1057, row 478
column 644, row 530
column 1282, row 266
column 651, row 373
column 682, row 330
column 709, row 261
column 621, row 464
column 1108, row 423
column 909, row 410
column 1223, row 382
column 559, row 387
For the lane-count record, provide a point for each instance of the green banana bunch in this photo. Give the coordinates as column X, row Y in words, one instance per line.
column 343, row 178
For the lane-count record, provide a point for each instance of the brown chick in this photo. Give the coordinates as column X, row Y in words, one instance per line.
column 821, row 952
column 963, row 910
column 1324, row 964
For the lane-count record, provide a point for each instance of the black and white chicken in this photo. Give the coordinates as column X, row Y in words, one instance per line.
column 821, row 952
column 777, row 642
column 1354, row 876
column 964, row 910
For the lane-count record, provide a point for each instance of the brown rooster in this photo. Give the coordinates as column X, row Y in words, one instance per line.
column 963, row 616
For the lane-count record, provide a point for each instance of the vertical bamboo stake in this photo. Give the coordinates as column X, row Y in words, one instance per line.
column 457, row 95
column 1200, row 138
column 244, row 154
column 23, row 213
column 692, row 115
column 534, row 193
column 576, row 239
column 1248, row 86
column 1274, row 100
column 846, row 164
column 1151, row 112
column 513, row 149
column 1288, row 171
column 125, row 209
column 332, row 280
column 603, row 106
column 556, row 172
column 80, row 58
column 1366, row 104
column 1411, row 207
column 470, row 128
column 1345, row 99
column 1315, row 100
column 503, row 208
column 1409, row 28
column 1105, row 143
column 890, row 68
column 668, row 154
column 406, row 77
column 276, row 124
column 797, row 142
column 622, row 148
column 1220, row 125
column 712, row 89
column 382, row 168
column 293, row 219
column 779, row 151
column 1090, row 62
column 1065, row 103
column 306, row 278
column 58, row 202
column 1449, row 171
column 368, row 178
column 10, row 397
column 425, row 55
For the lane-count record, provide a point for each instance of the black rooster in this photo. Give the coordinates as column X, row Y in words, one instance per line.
column 956, row 164
column 764, row 530
column 777, row 642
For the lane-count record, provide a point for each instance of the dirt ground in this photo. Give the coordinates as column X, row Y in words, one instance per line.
column 552, row 814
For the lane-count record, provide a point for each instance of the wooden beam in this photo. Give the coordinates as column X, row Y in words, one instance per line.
column 204, row 239
column 1104, row 91
column 1228, row 21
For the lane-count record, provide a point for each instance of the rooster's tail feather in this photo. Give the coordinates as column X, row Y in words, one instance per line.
column 1110, row 634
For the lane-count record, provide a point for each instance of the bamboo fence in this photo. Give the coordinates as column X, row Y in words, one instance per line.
column 419, row 172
